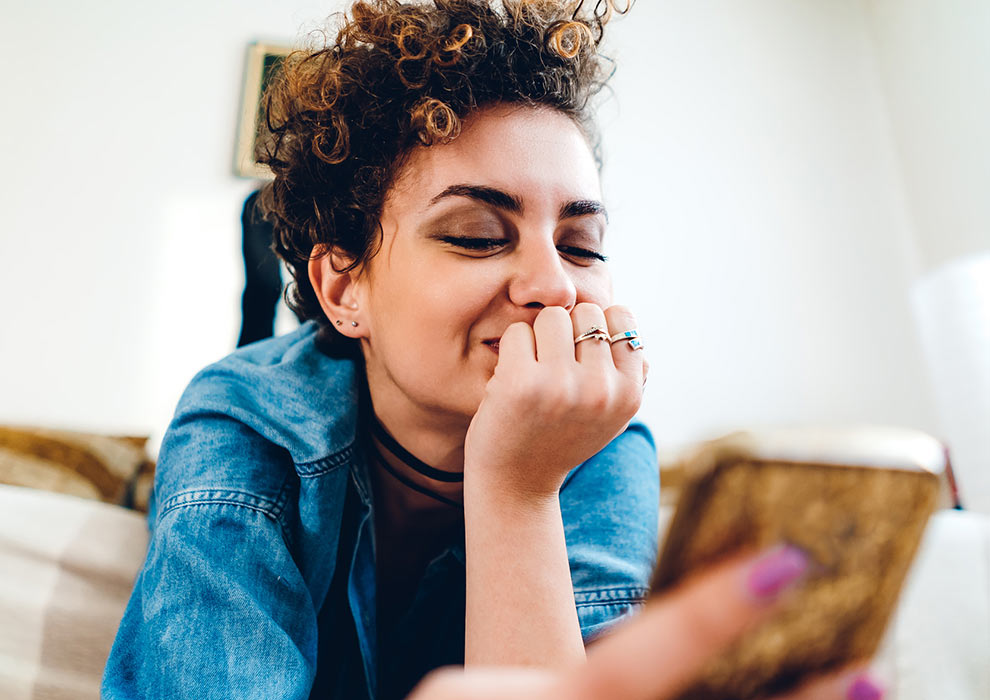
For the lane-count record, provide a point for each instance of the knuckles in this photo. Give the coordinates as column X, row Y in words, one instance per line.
column 552, row 317
column 582, row 393
column 516, row 333
column 620, row 318
column 561, row 411
column 587, row 308
column 559, row 393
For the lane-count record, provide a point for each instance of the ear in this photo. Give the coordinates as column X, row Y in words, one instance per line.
column 339, row 292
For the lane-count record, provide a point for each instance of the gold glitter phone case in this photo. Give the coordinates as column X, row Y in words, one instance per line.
column 857, row 500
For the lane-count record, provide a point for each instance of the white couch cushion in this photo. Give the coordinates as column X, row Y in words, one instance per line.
column 938, row 645
column 68, row 566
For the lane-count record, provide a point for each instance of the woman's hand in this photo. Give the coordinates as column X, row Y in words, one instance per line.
column 655, row 654
column 551, row 404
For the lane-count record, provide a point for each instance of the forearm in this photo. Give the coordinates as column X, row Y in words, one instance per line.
column 520, row 603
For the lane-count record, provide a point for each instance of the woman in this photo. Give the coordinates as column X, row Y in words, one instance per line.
column 438, row 466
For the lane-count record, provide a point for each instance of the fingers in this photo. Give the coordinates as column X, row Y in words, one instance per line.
column 584, row 318
column 658, row 652
column 627, row 359
column 485, row 684
column 517, row 348
column 853, row 683
column 552, row 329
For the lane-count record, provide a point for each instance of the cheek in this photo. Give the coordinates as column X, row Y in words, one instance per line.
column 464, row 291
column 594, row 286
column 440, row 307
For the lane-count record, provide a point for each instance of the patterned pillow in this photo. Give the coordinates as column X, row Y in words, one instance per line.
column 111, row 469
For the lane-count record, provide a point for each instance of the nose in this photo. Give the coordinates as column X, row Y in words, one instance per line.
column 539, row 277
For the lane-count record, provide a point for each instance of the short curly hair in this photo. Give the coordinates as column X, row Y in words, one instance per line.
column 342, row 117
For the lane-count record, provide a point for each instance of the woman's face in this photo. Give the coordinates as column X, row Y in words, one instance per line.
column 478, row 234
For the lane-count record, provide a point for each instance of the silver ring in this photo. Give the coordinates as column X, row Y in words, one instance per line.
column 632, row 336
column 596, row 332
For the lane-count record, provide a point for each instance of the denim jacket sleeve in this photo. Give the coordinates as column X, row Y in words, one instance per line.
column 220, row 608
column 610, row 506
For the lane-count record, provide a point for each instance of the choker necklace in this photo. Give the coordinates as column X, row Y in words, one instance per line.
column 412, row 484
column 417, row 465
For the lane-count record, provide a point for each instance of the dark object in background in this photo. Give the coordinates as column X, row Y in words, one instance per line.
column 263, row 279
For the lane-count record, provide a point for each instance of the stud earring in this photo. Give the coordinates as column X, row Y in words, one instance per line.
column 339, row 322
column 354, row 323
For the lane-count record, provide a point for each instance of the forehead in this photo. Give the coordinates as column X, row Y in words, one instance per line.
column 538, row 154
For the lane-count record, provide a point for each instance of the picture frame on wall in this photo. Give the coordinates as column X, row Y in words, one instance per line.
column 262, row 63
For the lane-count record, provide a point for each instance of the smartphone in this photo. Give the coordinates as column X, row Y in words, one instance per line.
column 855, row 499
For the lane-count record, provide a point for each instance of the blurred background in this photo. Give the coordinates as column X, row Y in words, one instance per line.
column 797, row 190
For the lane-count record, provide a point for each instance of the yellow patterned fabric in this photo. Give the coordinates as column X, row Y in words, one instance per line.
column 106, row 468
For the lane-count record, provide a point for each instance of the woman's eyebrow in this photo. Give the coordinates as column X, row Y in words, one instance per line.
column 509, row 202
column 489, row 195
column 583, row 207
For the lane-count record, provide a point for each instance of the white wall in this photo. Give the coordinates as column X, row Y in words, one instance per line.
column 760, row 227
column 121, row 228
column 761, row 211
column 935, row 63
column 953, row 309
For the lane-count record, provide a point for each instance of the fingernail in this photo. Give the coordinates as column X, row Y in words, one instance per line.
column 864, row 688
column 776, row 570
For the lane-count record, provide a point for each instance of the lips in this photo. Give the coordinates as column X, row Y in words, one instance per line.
column 493, row 344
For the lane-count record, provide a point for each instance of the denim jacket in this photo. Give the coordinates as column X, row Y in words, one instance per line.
column 260, row 576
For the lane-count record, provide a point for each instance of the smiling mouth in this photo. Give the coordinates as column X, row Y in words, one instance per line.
column 493, row 344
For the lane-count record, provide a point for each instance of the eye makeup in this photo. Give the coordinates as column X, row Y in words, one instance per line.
column 481, row 243
column 478, row 231
column 585, row 253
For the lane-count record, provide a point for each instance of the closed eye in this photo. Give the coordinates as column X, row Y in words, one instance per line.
column 585, row 253
column 475, row 243
column 483, row 243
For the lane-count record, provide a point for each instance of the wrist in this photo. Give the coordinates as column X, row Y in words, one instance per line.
column 507, row 495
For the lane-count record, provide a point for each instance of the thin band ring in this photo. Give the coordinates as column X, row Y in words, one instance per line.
column 632, row 336
column 596, row 332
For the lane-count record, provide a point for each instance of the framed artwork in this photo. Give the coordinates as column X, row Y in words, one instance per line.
column 262, row 63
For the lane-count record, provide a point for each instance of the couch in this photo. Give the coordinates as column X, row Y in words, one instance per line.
column 68, row 563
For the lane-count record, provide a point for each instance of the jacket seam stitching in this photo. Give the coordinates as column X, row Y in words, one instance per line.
column 639, row 590
column 281, row 502
column 222, row 502
column 616, row 596
column 319, row 467
column 202, row 497
column 610, row 603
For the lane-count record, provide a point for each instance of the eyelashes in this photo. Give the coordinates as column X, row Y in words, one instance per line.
column 475, row 243
column 582, row 253
column 485, row 244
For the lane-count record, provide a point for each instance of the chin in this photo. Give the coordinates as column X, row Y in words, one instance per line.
column 472, row 398
column 458, row 401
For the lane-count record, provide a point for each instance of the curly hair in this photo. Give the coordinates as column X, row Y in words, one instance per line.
column 342, row 117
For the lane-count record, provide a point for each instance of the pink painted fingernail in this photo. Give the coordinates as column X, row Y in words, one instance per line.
column 776, row 570
column 864, row 688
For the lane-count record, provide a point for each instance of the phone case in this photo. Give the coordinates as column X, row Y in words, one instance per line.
column 857, row 500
